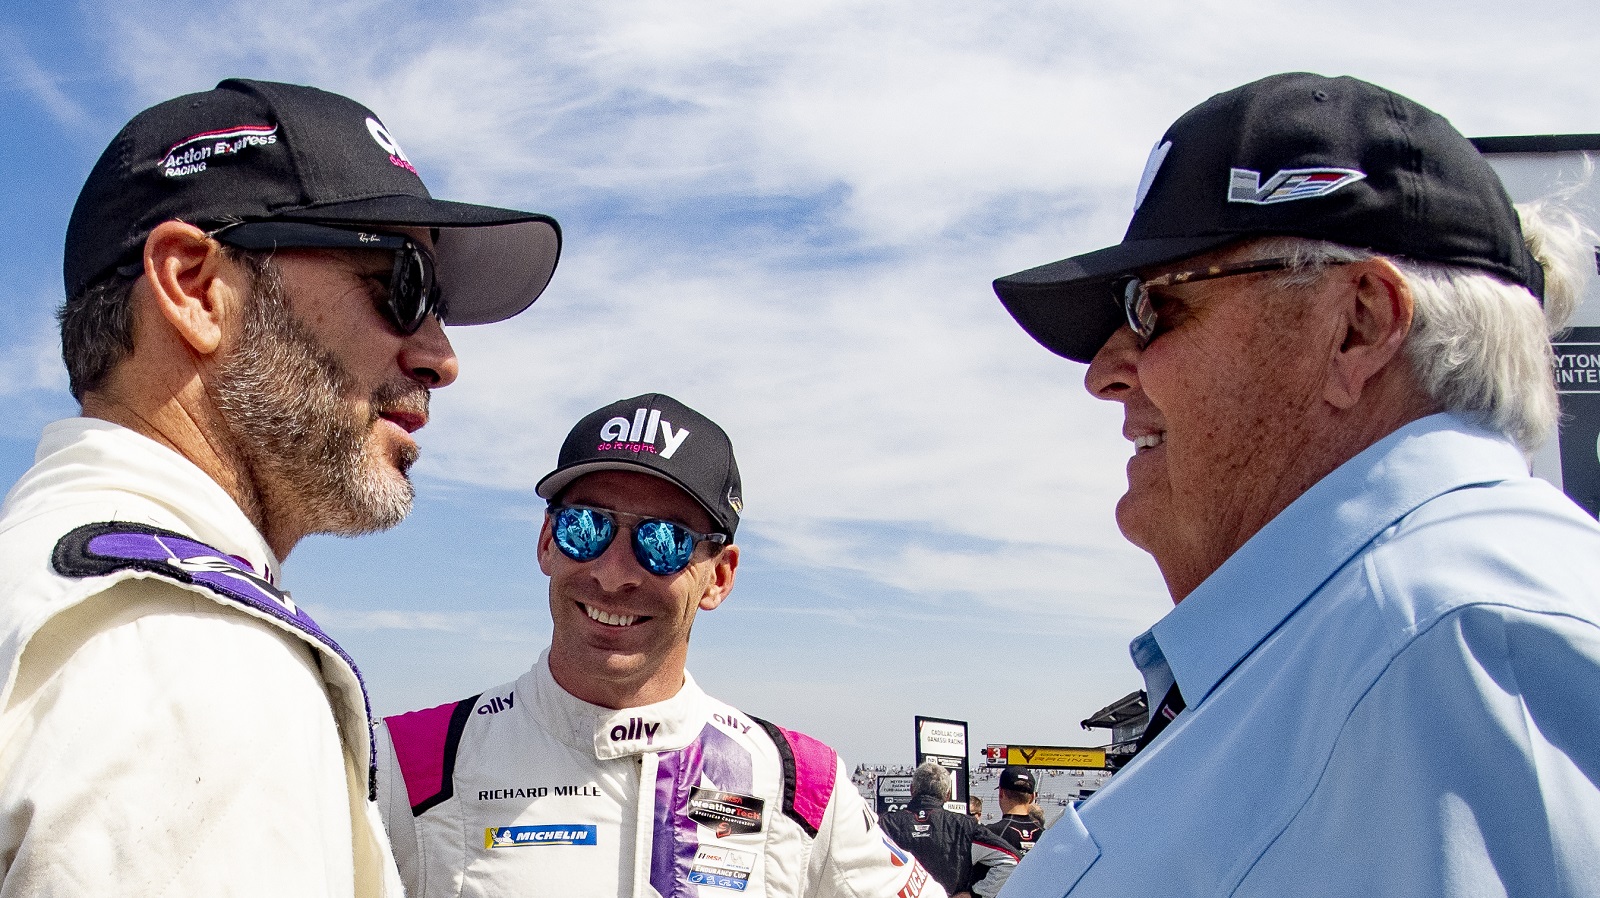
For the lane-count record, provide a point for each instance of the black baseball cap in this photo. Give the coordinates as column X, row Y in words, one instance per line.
column 657, row 435
column 1018, row 779
column 1296, row 155
column 264, row 151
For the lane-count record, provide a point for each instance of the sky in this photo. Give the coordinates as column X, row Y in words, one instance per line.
column 786, row 215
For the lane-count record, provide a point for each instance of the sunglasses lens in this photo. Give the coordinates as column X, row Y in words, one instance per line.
column 582, row 534
column 1136, row 305
column 412, row 293
column 662, row 547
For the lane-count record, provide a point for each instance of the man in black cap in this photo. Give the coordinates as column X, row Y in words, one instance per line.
column 606, row 757
column 255, row 283
column 1016, row 825
column 1382, row 673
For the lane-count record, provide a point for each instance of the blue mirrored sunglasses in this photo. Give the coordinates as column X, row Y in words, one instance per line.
column 582, row 533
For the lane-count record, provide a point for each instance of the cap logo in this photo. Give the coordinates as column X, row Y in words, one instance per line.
column 1244, row 185
column 639, row 435
column 193, row 155
column 1152, row 165
column 389, row 145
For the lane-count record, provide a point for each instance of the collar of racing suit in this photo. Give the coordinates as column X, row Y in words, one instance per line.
column 612, row 733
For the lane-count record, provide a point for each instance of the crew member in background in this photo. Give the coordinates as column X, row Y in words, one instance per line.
column 961, row 853
column 1017, row 824
column 605, row 770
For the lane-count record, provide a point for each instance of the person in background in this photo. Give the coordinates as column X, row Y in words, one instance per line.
column 1017, row 825
column 962, row 854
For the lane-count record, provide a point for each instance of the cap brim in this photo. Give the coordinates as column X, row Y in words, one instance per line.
column 554, row 482
column 493, row 263
column 1069, row 306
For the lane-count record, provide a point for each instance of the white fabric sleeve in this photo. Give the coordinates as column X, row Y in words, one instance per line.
column 852, row 858
column 158, row 743
column 394, row 803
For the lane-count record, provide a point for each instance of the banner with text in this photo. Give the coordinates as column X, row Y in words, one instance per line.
column 945, row 741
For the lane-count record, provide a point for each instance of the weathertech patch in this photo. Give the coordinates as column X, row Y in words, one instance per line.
column 727, row 813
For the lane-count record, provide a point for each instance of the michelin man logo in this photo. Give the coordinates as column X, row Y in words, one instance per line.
column 386, row 141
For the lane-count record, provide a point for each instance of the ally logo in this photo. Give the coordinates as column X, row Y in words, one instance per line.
column 642, row 429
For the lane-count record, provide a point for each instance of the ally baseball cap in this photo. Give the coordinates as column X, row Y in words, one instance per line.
column 250, row 151
column 657, row 435
column 1297, row 155
column 1018, row 779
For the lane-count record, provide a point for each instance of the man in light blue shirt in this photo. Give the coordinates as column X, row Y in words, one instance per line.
column 1330, row 337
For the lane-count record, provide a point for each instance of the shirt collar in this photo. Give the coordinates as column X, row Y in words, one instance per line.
column 1207, row 634
column 614, row 733
column 91, row 456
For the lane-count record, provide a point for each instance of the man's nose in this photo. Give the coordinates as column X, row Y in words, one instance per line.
column 616, row 569
column 1113, row 372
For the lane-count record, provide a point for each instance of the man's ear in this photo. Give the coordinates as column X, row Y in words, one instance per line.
column 1375, row 317
column 191, row 284
column 726, row 564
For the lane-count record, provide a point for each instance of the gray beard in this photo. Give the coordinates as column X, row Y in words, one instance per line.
column 298, row 439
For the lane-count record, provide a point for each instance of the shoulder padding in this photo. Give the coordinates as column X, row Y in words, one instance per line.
column 810, row 769
column 425, row 744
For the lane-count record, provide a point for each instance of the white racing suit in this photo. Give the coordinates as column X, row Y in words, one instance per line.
column 173, row 723
column 525, row 790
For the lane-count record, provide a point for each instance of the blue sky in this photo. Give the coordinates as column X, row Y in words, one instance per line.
column 786, row 215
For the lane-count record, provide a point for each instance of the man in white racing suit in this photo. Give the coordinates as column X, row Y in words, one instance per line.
column 250, row 365
column 605, row 770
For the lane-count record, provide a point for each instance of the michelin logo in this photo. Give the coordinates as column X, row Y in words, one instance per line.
column 529, row 836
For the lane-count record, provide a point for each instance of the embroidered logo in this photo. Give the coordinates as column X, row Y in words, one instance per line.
column 1152, row 165
column 530, row 836
column 397, row 156
column 1244, row 185
column 193, row 155
column 639, row 435
column 727, row 813
column 722, row 868
column 635, row 728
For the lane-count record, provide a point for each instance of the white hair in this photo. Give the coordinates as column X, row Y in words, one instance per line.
column 1480, row 347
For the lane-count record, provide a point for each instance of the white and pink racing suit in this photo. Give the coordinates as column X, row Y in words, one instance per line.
column 526, row 790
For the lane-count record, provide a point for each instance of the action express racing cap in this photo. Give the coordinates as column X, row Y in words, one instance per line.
column 264, row 151
column 660, row 436
column 1296, row 155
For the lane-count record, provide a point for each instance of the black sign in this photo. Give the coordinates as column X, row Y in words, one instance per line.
column 727, row 813
column 1578, row 382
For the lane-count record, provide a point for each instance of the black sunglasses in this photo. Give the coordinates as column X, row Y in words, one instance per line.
column 413, row 286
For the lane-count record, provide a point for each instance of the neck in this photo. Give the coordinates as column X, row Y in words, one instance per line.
column 186, row 424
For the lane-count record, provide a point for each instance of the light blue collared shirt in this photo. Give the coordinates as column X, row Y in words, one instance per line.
column 1393, row 689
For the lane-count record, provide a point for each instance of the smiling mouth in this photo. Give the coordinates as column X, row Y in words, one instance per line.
column 1148, row 441
column 609, row 619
